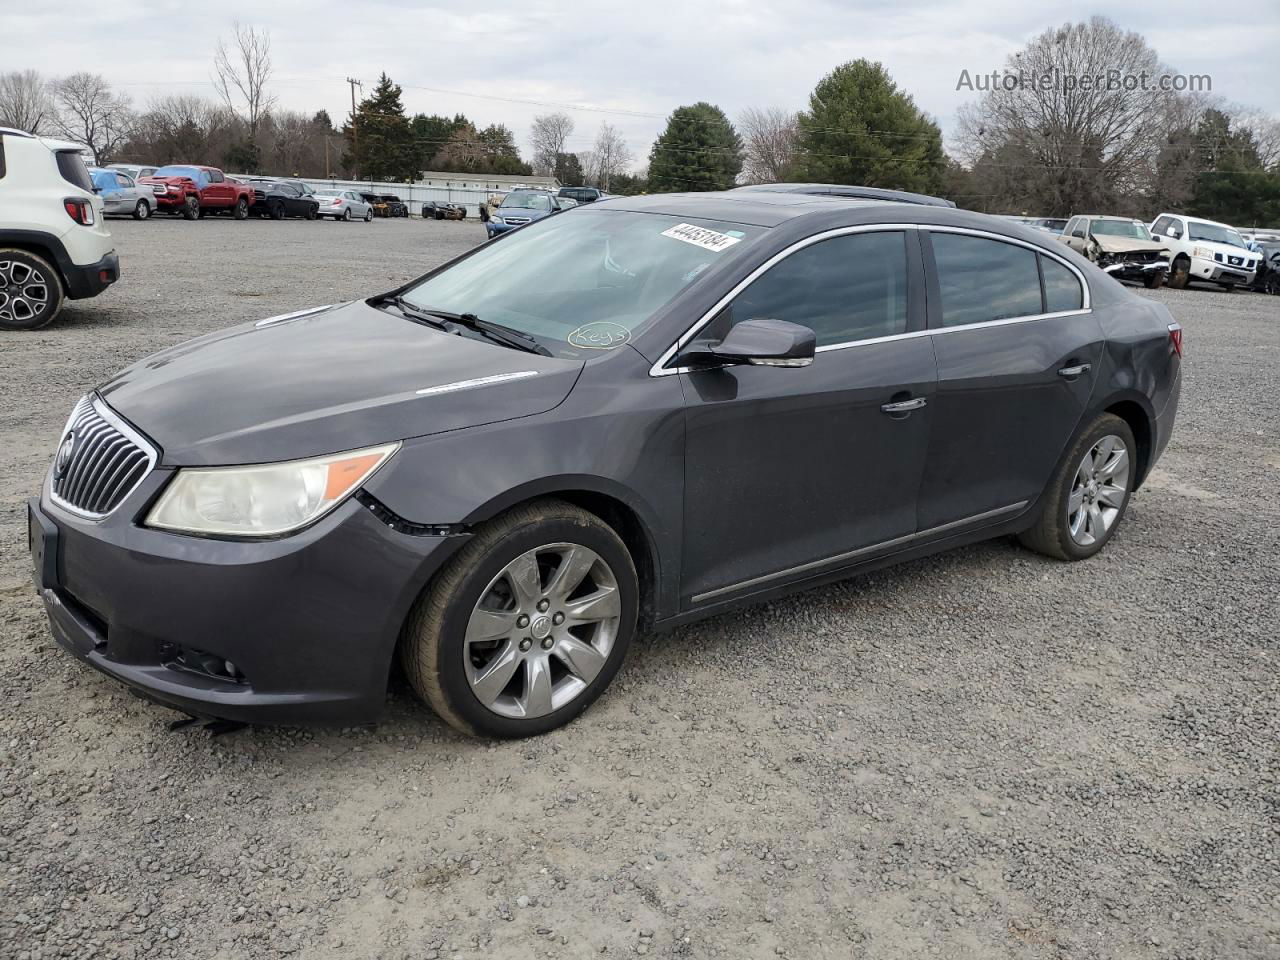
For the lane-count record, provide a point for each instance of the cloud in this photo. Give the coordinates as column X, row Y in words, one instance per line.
column 632, row 63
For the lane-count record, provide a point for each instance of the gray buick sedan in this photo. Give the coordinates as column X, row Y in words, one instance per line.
column 649, row 411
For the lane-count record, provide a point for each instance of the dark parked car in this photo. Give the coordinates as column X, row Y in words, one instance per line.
column 278, row 199
column 646, row 412
column 395, row 206
column 581, row 194
column 1267, row 279
column 438, row 210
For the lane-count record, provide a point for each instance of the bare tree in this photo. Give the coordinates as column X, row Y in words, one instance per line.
column 548, row 135
column 769, row 144
column 609, row 157
column 89, row 112
column 1265, row 128
column 1079, row 144
column 182, row 129
column 25, row 102
column 242, row 73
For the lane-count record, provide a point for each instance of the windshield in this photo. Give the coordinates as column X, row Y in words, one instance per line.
column 586, row 282
column 191, row 172
column 1212, row 233
column 527, row 201
column 1120, row 228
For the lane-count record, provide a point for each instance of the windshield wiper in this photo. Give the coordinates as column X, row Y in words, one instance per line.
column 494, row 331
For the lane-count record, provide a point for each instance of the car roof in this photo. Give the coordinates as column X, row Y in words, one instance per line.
column 846, row 191
column 1100, row 216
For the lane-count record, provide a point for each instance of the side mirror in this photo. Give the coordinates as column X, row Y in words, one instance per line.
column 1078, row 234
column 763, row 342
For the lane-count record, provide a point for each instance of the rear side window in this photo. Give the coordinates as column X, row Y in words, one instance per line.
column 215, row 176
column 1061, row 287
column 1, row 155
column 982, row 280
column 848, row 288
column 71, row 166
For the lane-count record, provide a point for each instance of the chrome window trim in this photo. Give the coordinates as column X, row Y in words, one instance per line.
column 835, row 561
column 659, row 370
column 106, row 413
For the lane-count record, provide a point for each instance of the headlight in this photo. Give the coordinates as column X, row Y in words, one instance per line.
column 1202, row 252
column 266, row 500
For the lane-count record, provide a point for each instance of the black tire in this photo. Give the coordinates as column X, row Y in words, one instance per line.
column 368, row 215
column 276, row 210
column 241, row 209
column 311, row 213
column 1154, row 280
column 142, row 210
column 432, row 643
column 1051, row 534
column 346, row 215
column 25, row 311
column 1180, row 273
column 191, row 208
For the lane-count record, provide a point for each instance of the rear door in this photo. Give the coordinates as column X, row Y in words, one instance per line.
column 1018, row 351
column 793, row 471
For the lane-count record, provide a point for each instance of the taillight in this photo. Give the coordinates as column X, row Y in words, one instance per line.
column 79, row 210
column 1175, row 338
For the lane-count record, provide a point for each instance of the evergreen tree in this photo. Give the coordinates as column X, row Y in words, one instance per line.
column 699, row 150
column 379, row 139
column 861, row 129
column 431, row 134
column 1233, row 185
column 568, row 169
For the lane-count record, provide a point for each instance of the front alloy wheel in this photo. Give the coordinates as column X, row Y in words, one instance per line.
column 527, row 625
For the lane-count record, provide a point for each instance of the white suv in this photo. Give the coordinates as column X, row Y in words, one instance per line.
column 54, row 244
column 1204, row 250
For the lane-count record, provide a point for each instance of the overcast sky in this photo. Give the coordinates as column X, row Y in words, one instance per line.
column 629, row 64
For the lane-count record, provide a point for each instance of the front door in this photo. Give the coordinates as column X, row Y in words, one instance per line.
column 789, row 471
column 1017, row 359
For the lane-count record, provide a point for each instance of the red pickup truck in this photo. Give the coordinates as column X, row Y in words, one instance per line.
column 194, row 191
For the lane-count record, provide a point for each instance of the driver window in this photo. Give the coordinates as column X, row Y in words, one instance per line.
column 846, row 288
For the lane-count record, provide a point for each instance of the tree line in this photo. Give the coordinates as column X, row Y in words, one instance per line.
column 1023, row 148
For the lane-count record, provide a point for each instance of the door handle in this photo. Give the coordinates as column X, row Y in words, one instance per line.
column 1075, row 371
column 903, row 406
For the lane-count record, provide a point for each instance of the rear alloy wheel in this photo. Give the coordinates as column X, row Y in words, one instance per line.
column 142, row 210
column 527, row 625
column 30, row 291
column 191, row 208
column 276, row 210
column 346, row 214
column 1087, row 497
column 241, row 211
column 368, row 216
column 1180, row 273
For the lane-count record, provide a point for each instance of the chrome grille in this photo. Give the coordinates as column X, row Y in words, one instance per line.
column 100, row 460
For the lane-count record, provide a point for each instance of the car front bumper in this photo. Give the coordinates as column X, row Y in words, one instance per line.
column 1214, row 272
column 1128, row 270
column 299, row 630
column 493, row 227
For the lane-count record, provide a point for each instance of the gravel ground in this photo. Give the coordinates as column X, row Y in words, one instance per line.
column 985, row 754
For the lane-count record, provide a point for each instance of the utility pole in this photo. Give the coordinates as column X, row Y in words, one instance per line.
column 355, row 127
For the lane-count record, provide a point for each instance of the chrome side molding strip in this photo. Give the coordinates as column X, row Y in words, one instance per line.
column 478, row 382
column 860, row 552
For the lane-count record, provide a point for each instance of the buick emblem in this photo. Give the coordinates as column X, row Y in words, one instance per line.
column 63, row 458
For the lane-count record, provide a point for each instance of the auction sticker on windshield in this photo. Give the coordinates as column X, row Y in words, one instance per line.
column 701, row 237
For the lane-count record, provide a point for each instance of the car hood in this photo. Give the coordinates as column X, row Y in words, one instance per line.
column 350, row 376
column 521, row 212
column 1112, row 244
column 1226, row 249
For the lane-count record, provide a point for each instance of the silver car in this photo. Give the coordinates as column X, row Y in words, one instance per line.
column 121, row 196
column 135, row 170
column 343, row 205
